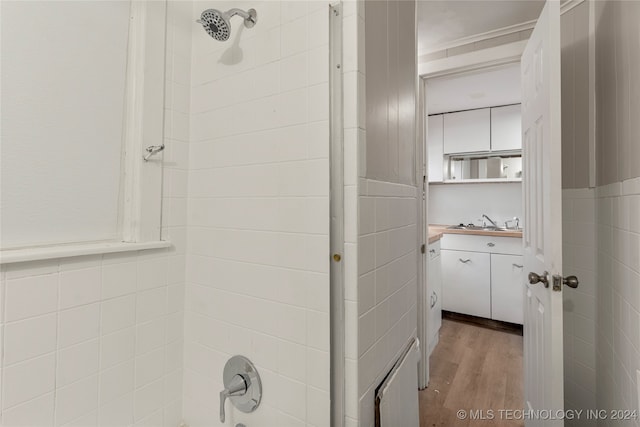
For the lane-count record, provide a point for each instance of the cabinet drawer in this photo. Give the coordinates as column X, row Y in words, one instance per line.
column 466, row 286
column 496, row 245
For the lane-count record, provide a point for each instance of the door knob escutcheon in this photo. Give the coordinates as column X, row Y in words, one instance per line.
column 570, row 281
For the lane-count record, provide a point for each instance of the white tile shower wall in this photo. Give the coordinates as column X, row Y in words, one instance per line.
column 91, row 338
column 258, row 217
column 618, row 295
column 354, row 167
column 98, row 340
column 387, row 284
column 579, row 254
column 455, row 203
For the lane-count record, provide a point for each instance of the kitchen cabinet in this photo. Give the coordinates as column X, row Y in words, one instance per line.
column 480, row 276
column 435, row 158
column 506, row 128
column 434, row 294
column 507, row 288
column 466, row 282
column 467, row 131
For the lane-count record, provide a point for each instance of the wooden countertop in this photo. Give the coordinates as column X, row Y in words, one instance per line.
column 437, row 230
column 435, row 234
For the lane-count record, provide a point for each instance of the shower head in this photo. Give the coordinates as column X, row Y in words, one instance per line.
column 217, row 23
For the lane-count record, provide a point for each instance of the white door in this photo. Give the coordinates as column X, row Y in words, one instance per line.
column 543, row 216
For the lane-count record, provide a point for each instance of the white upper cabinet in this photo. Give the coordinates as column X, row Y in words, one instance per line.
column 506, row 128
column 467, row 131
column 435, row 148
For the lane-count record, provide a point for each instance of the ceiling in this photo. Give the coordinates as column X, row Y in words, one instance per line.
column 492, row 87
column 443, row 22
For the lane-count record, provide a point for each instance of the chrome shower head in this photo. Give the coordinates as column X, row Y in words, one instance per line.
column 217, row 24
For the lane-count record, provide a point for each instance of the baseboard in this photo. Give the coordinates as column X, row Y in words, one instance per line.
column 512, row 328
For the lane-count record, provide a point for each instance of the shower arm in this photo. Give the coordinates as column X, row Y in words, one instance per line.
column 234, row 12
column 250, row 17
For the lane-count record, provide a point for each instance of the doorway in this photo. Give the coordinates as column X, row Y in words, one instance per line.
column 472, row 198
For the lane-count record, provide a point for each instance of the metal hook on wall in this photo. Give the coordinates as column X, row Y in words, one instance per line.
column 152, row 150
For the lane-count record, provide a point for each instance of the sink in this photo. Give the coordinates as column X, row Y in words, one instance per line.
column 457, row 227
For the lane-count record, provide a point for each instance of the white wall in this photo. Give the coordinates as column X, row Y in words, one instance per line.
column 381, row 291
column 93, row 340
column 390, row 55
column 465, row 203
column 387, row 283
column 618, row 303
column 618, row 205
column 355, row 166
column 575, row 97
column 63, row 78
column 258, row 247
column 579, row 315
column 97, row 340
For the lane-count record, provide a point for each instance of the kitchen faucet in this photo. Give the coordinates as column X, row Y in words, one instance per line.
column 490, row 220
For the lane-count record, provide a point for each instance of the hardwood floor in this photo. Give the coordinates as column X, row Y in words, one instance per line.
column 473, row 368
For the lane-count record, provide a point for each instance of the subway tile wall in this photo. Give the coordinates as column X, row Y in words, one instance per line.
column 380, row 234
column 579, row 259
column 258, row 214
column 387, row 284
column 98, row 340
column 94, row 340
column 618, row 294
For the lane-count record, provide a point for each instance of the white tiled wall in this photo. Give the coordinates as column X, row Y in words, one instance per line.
column 579, row 255
column 618, row 294
column 618, row 206
column 93, row 340
column 380, row 235
column 387, row 284
column 258, row 246
column 97, row 340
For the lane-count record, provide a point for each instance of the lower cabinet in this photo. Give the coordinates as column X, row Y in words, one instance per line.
column 467, row 285
column 483, row 276
column 434, row 294
column 507, row 289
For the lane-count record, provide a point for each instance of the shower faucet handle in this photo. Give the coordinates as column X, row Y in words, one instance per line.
column 242, row 385
column 237, row 387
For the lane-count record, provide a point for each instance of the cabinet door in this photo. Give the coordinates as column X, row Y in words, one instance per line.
column 466, row 286
column 506, row 128
column 507, row 288
column 435, row 142
column 436, row 293
column 467, row 131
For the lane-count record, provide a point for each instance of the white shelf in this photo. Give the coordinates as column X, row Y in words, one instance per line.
column 8, row 256
column 478, row 181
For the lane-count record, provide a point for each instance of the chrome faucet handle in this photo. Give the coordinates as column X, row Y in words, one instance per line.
column 516, row 220
column 242, row 385
column 237, row 387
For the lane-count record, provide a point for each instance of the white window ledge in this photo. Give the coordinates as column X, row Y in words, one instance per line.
column 477, row 181
column 9, row 256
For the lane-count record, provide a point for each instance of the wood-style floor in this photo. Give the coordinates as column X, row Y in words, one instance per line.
column 473, row 368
